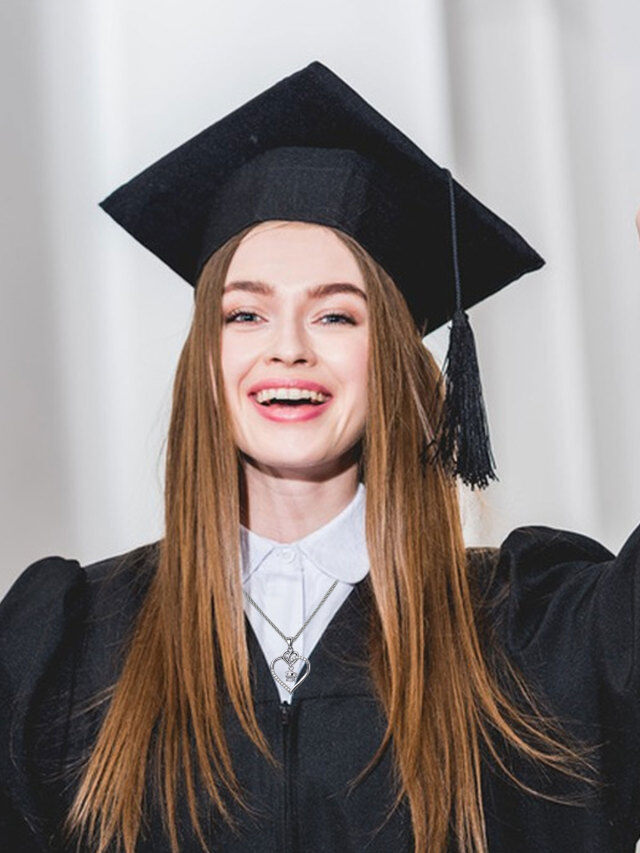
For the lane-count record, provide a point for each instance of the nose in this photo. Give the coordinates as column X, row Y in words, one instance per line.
column 289, row 343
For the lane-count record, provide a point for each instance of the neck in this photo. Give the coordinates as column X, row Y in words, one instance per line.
column 286, row 510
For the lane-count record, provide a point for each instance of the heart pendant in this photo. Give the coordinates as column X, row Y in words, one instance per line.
column 290, row 659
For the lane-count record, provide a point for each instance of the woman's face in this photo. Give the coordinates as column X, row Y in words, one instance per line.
column 276, row 331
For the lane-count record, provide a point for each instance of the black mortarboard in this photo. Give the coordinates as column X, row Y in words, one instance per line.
column 310, row 148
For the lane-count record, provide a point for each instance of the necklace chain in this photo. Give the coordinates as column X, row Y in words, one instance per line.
column 290, row 656
column 291, row 640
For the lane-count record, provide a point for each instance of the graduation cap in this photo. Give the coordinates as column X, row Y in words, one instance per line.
column 310, row 148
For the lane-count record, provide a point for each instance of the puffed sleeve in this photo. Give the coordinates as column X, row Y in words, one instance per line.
column 570, row 619
column 38, row 614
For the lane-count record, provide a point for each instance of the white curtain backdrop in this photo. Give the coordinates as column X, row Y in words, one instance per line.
column 532, row 103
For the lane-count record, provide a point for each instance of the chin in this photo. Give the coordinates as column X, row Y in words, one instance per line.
column 297, row 462
column 291, row 461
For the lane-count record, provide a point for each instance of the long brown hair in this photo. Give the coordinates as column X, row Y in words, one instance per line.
column 435, row 679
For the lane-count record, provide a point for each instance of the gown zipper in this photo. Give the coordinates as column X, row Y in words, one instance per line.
column 289, row 825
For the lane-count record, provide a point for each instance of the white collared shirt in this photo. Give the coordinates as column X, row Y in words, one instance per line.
column 288, row 580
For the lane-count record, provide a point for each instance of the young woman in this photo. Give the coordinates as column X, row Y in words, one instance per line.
column 310, row 659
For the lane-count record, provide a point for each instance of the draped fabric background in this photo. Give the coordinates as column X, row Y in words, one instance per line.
column 533, row 104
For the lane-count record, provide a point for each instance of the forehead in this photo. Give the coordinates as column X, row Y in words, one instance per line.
column 287, row 254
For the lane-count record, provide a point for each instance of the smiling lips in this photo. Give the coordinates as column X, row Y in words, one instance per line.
column 286, row 400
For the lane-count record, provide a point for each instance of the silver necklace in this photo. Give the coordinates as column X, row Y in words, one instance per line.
column 290, row 655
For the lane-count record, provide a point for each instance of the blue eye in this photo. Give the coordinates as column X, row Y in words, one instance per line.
column 343, row 317
column 231, row 317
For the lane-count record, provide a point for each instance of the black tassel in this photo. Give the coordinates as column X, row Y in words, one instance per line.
column 462, row 444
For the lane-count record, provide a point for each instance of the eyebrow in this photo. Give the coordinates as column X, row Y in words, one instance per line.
column 318, row 291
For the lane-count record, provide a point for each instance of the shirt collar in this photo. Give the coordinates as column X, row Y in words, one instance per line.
column 338, row 548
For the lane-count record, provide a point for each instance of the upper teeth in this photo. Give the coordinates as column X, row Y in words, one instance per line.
column 289, row 394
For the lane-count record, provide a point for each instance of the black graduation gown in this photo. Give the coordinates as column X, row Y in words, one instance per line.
column 565, row 611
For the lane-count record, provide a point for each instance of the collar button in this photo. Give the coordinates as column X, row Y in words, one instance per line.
column 287, row 554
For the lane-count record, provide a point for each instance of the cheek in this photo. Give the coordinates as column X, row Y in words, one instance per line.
column 349, row 362
column 234, row 360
